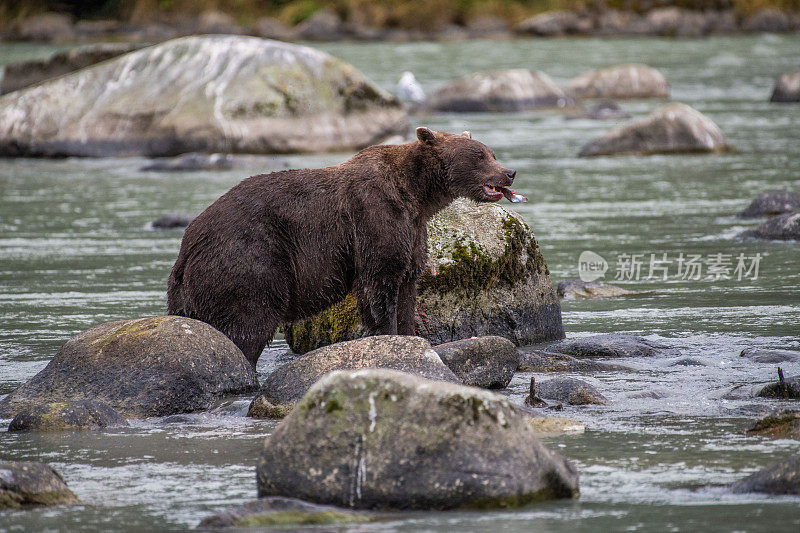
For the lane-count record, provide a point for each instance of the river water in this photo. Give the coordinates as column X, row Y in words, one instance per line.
column 76, row 250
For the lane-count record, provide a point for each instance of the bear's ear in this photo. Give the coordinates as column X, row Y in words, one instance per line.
column 467, row 134
column 425, row 135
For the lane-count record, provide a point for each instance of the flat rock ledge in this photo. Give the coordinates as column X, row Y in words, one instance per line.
column 486, row 275
column 288, row 383
column 487, row 362
column 620, row 82
column 500, row 91
column 381, row 439
column 27, row 484
column 66, row 416
column 612, row 345
column 673, row 129
column 782, row 477
column 780, row 228
column 210, row 93
column 154, row 366
column 276, row 511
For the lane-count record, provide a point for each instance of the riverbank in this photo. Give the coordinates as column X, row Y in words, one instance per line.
column 326, row 24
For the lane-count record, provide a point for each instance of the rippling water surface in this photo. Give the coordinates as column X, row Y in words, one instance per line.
column 76, row 250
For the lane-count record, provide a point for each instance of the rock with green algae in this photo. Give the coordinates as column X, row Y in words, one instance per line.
column 66, row 416
column 209, row 93
column 29, row 484
column 288, row 383
column 277, row 511
column 381, row 439
column 486, row 276
column 780, row 424
column 154, row 366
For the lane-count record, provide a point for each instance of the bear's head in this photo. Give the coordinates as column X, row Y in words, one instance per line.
column 471, row 169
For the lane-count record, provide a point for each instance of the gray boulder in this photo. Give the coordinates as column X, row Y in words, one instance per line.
column 787, row 88
column 621, row 81
column 544, row 361
column 146, row 367
column 611, row 345
column 555, row 23
column 677, row 22
column 672, row 129
column 324, row 25
column 276, row 511
column 26, row 73
column 780, row 424
column 768, row 20
column 571, row 391
column 27, row 484
column 486, row 276
column 769, row 355
column 780, row 228
column 487, row 362
column 272, row 28
column 66, row 416
column 772, row 203
column 288, row 383
column 213, row 93
column 380, row 439
column 782, row 477
column 500, row 91
column 575, row 288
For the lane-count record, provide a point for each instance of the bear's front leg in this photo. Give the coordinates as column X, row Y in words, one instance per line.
column 382, row 303
column 406, row 308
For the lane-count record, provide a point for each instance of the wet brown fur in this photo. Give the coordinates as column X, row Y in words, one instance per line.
column 283, row 246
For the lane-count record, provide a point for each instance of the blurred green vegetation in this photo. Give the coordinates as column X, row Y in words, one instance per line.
column 381, row 13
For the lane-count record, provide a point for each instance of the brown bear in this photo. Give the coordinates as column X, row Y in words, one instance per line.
column 287, row 245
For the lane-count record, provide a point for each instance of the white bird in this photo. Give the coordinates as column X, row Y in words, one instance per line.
column 409, row 89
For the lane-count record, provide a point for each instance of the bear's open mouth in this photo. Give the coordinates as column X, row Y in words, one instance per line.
column 495, row 193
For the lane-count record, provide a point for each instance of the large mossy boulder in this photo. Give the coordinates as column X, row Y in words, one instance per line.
column 380, row 439
column 288, row 383
column 212, row 93
column 620, row 81
column 154, row 366
column 28, row 484
column 787, row 88
column 486, row 276
column 672, row 129
column 500, row 91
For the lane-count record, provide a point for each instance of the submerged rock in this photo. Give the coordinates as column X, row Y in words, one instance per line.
column 787, row 88
column 603, row 111
column 171, row 221
column 486, row 276
column 213, row 93
column 782, row 477
column 781, row 424
column 548, row 426
column 288, row 383
column 772, row 203
column 380, row 439
column 276, row 511
column 66, row 416
column 769, row 355
column 26, row 73
column 190, row 162
column 544, row 361
column 488, row 362
column 621, row 81
column 570, row 390
column 28, row 484
column 672, row 129
column 611, row 345
column 500, row 91
column 780, row 228
column 154, row 366
column 575, row 288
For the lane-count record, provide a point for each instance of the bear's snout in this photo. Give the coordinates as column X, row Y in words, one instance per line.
column 511, row 173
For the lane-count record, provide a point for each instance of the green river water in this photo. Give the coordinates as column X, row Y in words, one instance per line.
column 76, row 250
